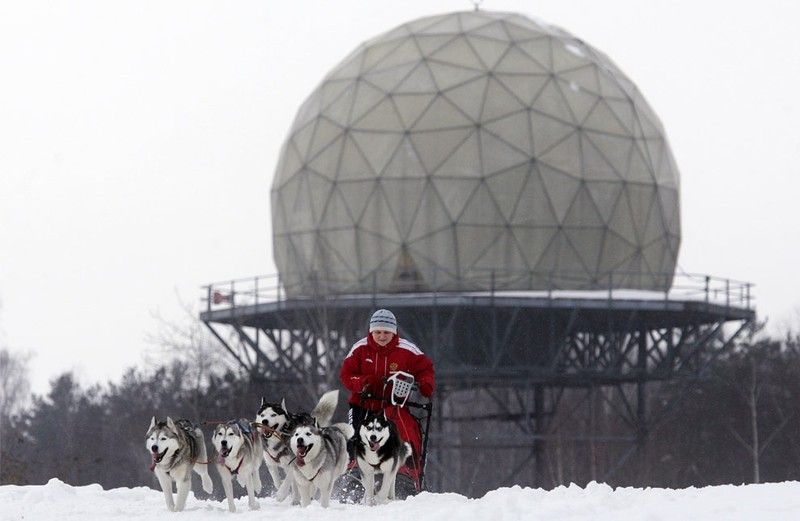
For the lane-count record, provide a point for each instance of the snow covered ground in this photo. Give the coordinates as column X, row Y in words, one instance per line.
column 777, row 501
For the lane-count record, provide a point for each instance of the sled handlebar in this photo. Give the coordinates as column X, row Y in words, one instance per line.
column 416, row 405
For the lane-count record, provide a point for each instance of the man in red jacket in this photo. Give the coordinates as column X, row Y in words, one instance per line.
column 371, row 361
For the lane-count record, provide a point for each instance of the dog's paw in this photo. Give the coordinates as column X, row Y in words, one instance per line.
column 255, row 505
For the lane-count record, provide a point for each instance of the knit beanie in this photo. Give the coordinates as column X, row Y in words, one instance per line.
column 384, row 320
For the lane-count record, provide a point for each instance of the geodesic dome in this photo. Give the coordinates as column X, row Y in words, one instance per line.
column 473, row 150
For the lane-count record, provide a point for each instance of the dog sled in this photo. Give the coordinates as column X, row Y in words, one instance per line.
column 411, row 414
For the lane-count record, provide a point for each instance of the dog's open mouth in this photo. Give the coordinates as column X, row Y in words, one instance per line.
column 158, row 456
column 225, row 452
column 374, row 446
column 302, row 450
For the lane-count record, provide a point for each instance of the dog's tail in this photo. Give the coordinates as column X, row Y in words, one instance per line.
column 344, row 428
column 408, row 449
column 323, row 412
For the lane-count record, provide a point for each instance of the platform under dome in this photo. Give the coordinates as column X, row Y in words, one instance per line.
column 475, row 149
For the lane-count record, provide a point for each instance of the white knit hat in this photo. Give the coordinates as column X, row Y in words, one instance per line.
column 383, row 320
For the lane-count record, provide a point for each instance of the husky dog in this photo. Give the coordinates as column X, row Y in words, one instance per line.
column 177, row 448
column 238, row 454
column 320, row 455
column 379, row 450
column 276, row 425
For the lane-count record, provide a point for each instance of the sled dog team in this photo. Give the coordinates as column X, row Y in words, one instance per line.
column 304, row 454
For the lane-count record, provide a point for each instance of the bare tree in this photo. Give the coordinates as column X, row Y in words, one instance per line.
column 14, row 383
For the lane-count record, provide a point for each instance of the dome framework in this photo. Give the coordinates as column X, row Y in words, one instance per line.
column 473, row 149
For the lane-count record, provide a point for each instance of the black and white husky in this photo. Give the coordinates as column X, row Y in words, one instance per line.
column 320, row 452
column 177, row 448
column 238, row 455
column 277, row 425
column 379, row 450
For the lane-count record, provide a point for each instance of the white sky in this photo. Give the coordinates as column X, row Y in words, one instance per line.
column 138, row 141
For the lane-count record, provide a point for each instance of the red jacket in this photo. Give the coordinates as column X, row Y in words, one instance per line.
column 368, row 358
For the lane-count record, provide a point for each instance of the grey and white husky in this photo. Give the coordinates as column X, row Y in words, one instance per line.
column 177, row 448
column 238, row 455
column 277, row 424
column 379, row 450
column 320, row 454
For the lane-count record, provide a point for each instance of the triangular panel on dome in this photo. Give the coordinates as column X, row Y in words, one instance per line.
column 403, row 196
column 587, row 243
column 464, row 161
column 366, row 98
column 378, row 219
column 326, row 162
column 494, row 30
column 375, row 252
column 349, row 68
column 641, row 198
column 442, row 114
column 584, row 77
column 668, row 199
column 353, row 164
column 404, row 162
column 568, row 55
column 472, row 243
column 330, row 90
column 596, row 167
column 290, row 164
column 377, row 147
column 448, row 24
column 356, row 194
column 382, row 117
column 623, row 109
column 547, row 131
column 420, row 24
column 455, row 193
column 340, row 245
column 653, row 257
column 551, row 102
column 387, row 79
column 434, row 254
column 603, row 119
column 435, row 147
column 516, row 61
column 561, row 190
column 472, row 20
column 533, row 242
column 616, row 150
column 458, row 52
column 504, row 259
column 301, row 138
column 301, row 206
column 584, row 212
column 525, row 87
column 325, row 133
column 497, row 155
column 514, row 130
column 507, row 187
column 389, row 54
column 430, row 214
column 418, row 81
column 609, row 85
column 606, row 197
column 449, row 76
column 407, row 276
column 538, row 50
column 337, row 111
column 616, row 252
column 499, row 102
column 336, row 212
column 639, row 169
column 482, row 209
column 579, row 101
column 534, row 206
column 469, row 96
column 565, row 156
column 520, row 32
column 622, row 220
column 411, row 106
column 318, row 193
column 429, row 44
column 488, row 50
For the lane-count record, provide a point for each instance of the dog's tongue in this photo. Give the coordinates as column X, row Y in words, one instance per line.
column 374, row 446
column 301, row 454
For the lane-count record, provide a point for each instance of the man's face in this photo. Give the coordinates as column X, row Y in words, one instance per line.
column 382, row 337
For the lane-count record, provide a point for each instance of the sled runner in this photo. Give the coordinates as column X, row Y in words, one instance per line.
column 412, row 419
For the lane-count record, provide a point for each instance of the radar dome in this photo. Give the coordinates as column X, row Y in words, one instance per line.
column 475, row 150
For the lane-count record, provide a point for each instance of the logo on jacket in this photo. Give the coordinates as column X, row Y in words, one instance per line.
column 393, row 366
column 368, row 360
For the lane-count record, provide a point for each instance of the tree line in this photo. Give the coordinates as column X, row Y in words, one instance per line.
column 738, row 424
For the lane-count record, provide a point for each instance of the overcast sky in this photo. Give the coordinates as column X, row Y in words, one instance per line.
column 138, row 140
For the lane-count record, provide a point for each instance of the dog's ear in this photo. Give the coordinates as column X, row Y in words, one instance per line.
column 152, row 423
column 263, row 402
column 283, row 404
column 170, row 423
